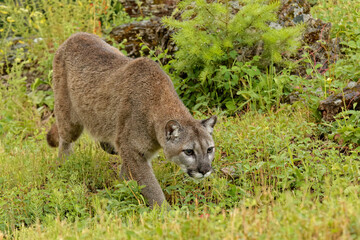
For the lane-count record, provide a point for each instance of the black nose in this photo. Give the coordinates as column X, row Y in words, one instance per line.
column 204, row 168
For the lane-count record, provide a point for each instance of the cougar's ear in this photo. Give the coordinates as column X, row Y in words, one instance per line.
column 209, row 123
column 172, row 130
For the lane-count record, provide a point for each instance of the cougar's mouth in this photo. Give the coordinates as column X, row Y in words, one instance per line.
column 198, row 175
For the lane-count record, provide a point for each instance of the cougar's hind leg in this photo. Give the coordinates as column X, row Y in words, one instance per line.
column 69, row 133
column 68, row 128
column 68, row 124
column 65, row 148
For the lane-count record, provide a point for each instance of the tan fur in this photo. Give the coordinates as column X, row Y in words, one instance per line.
column 129, row 104
column 52, row 136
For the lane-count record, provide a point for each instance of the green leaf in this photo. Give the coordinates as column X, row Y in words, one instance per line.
column 233, row 54
column 230, row 105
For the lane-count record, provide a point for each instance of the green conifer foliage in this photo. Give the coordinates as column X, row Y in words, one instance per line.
column 214, row 36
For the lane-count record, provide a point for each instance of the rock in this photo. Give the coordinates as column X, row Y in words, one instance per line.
column 296, row 96
column 143, row 8
column 320, row 47
column 150, row 32
column 336, row 103
column 292, row 12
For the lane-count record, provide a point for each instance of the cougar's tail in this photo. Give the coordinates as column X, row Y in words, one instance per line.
column 52, row 136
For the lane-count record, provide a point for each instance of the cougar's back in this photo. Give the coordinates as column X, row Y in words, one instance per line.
column 102, row 86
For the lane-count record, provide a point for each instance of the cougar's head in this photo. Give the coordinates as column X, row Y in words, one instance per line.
column 191, row 146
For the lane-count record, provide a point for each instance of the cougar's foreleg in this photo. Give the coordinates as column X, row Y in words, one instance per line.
column 136, row 166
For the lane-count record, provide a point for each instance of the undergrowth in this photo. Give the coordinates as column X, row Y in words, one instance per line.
column 269, row 168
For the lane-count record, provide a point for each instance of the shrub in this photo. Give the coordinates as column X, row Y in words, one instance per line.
column 214, row 40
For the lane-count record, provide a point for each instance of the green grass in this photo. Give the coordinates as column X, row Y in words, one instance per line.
column 273, row 179
column 278, row 175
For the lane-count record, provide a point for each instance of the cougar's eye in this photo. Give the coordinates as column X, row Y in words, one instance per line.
column 189, row 152
column 210, row 149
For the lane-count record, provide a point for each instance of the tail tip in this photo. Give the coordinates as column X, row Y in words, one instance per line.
column 52, row 137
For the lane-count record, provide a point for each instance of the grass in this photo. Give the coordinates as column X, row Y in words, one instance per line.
column 285, row 220
column 274, row 178
column 278, row 175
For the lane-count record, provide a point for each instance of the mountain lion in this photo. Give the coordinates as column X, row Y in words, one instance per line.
column 131, row 107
